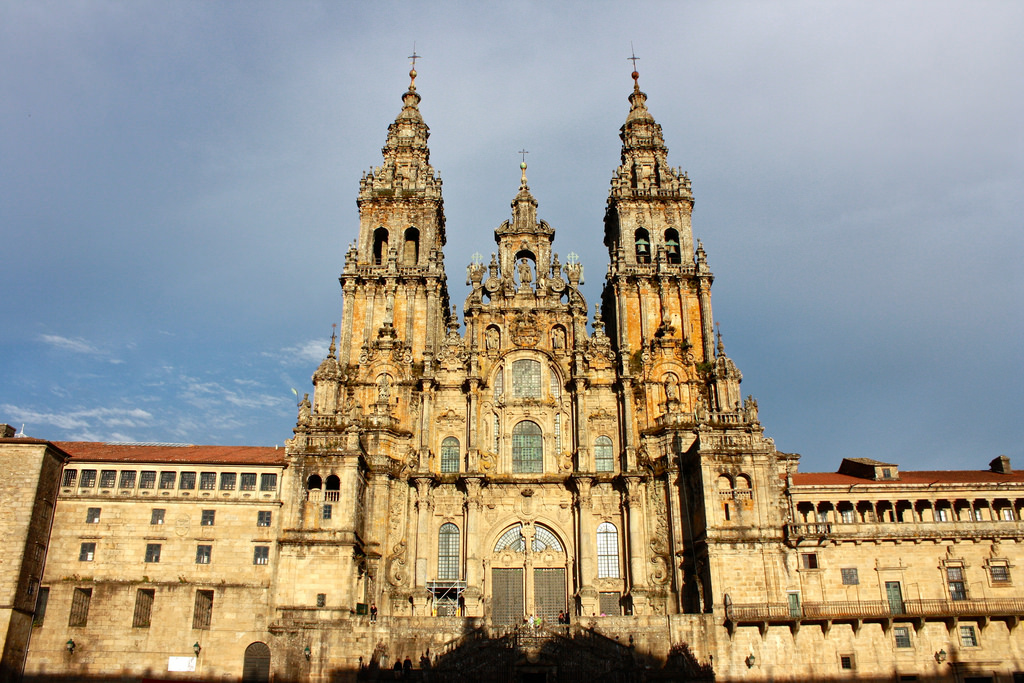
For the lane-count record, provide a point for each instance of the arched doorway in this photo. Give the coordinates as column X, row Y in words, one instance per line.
column 529, row 571
column 256, row 666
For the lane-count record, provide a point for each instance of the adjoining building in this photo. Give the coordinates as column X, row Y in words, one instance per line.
column 453, row 496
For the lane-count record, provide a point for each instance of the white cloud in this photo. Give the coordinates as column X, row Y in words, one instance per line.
column 85, row 421
column 77, row 345
column 305, row 353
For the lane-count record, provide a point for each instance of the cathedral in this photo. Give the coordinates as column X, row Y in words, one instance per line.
column 551, row 490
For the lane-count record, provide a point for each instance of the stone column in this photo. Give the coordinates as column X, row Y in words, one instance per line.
column 423, row 507
column 628, row 422
column 676, row 513
column 472, row 443
column 637, row 575
column 474, row 537
column 348, row 306
column 582, row 440
column 587, row 546
column 706, row 320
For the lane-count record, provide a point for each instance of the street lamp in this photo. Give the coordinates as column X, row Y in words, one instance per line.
column 197, row 648
column 70, row 646
column 940, row 656
column 750, row 661
column 307, row 652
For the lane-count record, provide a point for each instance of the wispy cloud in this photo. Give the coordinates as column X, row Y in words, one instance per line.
column 77, row 345
column 304, row 353
column 90, row 421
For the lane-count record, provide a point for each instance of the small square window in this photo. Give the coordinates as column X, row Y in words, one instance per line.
column 127, row 479
column 167, row 479
column 261, row 554
column 328, row 510
column 92, row 516
column 88, row 479
column 1000, row 573
column 968, row 636
column 227, row 481
column 268, row 482
column 321, row 599
column 152, row 552
column 203, row 553
column 248, row 482
column 846, row 662
column 207, row 518
column 157, row 517
column 108, row 478
column 809, row 560
column 187, row 481
column 263, row 518
column 147, row 479
column 902, row 636
column 69, row 477
column 208, row 481
column 850, row 577
column 87, row 552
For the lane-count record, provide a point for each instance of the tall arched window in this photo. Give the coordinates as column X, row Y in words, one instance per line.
column 380, row 246
column 672, row 246
column 411, row 252
column 527, row 447
column 499, row 381
column 526, row 379
column 450, row 455
column 604, row 459
column 643, row 246
column 607, row 551
column 448, row 552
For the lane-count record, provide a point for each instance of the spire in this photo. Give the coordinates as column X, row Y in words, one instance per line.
column 524, row 206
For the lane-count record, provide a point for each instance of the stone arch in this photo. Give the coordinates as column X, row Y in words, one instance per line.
column 411, row 247
column 642, row 245
column 256, row 664
column 672, row 251
column 314, row 482
column 380, row 246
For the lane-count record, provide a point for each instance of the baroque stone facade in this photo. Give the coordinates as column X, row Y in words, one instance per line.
column 456, row 481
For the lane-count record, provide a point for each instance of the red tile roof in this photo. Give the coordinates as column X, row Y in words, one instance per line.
column 923, row 477
column 91, row 451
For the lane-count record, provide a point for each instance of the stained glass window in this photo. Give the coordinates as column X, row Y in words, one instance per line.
column 527, row 447
column 526, row 379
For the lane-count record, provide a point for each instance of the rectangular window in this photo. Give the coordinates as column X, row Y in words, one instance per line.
column 92, row 516
column 809, row 560
column 107, row 479
column 87, row 552
column 152, row 552
column 187, row 481
column 227, row 481
column 143, row 608
column 263, row 518
column 157, row 517
column 127, row 479
column 261, row 554
column 328, row 509
column 942, row 514
column 147, row 479
column 167, row 479
column 846, row 662
column 207, row 518
column 968, row 637
column 847, row 516
column 1006, row 514
column 1000, row 573
column 69, row 477
column 268, row 482
column 88, row 479
column 850, row 577
column 203, row 553
column 208, row 481
column 902, row 636
column 203, row 614
column 248, row 481
column 957, row 586
column 41, row 600
column 608, row 603
column 80, row 600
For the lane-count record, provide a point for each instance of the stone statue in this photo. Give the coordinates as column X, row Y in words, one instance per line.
column 493, row 338
column 525, row 274
column 558, row 338
column 304, row 410
column 383, row 390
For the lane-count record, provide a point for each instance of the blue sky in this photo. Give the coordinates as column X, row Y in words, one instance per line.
column 178, row 182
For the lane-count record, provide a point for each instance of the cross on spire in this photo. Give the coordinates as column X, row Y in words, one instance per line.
column 633, row 58
column 414, row 56
column 524, row 153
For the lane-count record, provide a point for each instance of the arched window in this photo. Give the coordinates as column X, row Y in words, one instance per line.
column 314, row 482
column 499, row 381
column 526, row 379
column 556, row 388
column 672, row 246
column 448, row 552
column 643, row 246
column 604, row 459
column 411, row 253
column 545, row 539
column 380, row 246
column 607, row 551
column 511, row 540
column 450, row 455
column 332, row 488
column 527, row 447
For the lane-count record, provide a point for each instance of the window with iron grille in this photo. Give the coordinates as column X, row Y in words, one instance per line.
column 87, row 552
column 846, row 661
column 607, row 551
column 450, row 455
column 92, row 516
column 527, row 447
column 187, row 481
column 157, row 517
column 1000, row 573
column 227, row 481
column 556, row 390
column 69, row 477
column 108, row 478
column 88, row 479
column 143, row 608
column 499, row 382
column 248, row 482
column 261, row 554
column 41, row 600
column 80, row 600
column 263, row 518
column 152, row 552
column 497, row 431
column 127, row 479
column 604, row 459
column 268, row 482
column 207, row 518
column 850, row 577
column 203, row 613
column 167, row 479
column 448, row 552
column 558, row 433
column 608, row 603
column 208, row 481
column 957, row 586
column 147, row 479
column 526, row 379
column 902, row 636
column 203, row 553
